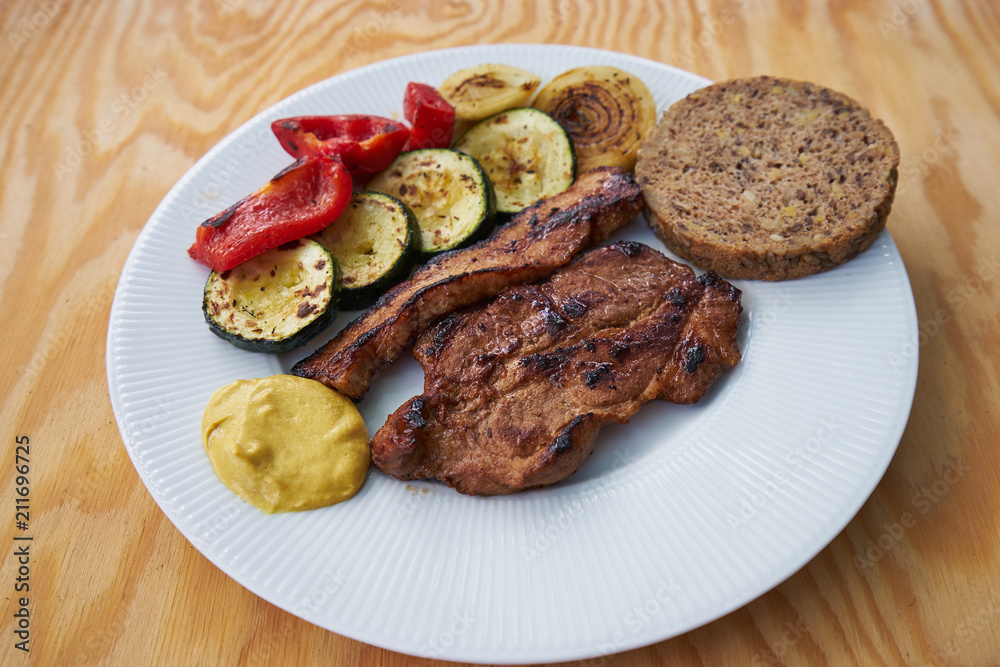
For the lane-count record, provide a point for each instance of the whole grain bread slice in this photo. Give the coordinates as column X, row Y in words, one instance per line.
column 768, row 178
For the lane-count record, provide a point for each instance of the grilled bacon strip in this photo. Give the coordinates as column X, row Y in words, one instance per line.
column 537, row 242
column 515, row 392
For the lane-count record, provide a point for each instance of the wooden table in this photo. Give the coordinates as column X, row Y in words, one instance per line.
column 106, row 104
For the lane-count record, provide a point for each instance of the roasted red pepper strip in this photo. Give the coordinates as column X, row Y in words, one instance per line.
column 299, row 200
column 431, row 117
column 365, row 144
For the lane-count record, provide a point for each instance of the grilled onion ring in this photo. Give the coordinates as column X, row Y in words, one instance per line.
column 605, row 111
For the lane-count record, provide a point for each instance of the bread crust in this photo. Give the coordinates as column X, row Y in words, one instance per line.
column 768, row 178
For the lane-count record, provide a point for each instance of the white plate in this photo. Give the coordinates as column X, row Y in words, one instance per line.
column 681, row 516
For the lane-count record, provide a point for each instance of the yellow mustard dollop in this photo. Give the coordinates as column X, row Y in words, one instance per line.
column 285, row 443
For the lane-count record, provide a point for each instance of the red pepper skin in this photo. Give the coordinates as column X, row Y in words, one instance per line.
column 299, row 200
column 431, row 117
column 364, row 144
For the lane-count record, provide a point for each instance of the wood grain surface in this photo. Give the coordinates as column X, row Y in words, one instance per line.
column 105, row 104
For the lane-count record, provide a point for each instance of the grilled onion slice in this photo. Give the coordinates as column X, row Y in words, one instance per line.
column 484, row 90
column 606, row 112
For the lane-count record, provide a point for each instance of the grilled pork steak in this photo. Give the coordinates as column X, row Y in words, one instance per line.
column 514, row 393
column 530, row 247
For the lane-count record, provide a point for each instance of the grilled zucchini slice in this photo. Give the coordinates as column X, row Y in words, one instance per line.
column 525, row 153
column 448, row 193
column 277, row 301
column 376, row 242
